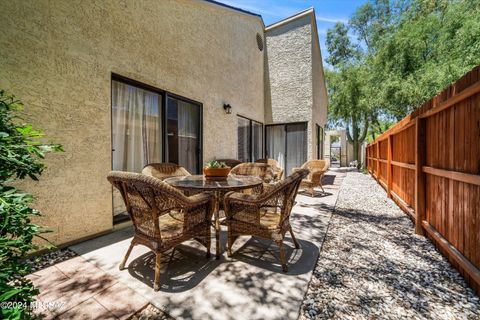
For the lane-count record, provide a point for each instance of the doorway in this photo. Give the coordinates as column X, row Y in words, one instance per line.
column 287, row 143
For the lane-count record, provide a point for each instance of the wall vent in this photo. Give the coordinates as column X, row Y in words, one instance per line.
column 259, row 42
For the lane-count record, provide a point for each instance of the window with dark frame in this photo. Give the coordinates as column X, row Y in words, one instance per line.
column 320, row 139
column 250, row 140
column 151, row 125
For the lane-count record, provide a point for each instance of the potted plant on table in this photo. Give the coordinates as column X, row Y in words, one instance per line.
column 215, row 170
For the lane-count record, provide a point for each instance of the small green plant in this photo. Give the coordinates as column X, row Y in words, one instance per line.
column 21, row 151
column 214, row 164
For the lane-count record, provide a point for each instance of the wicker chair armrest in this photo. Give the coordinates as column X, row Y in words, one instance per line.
column 295, row 169
column 235, row 202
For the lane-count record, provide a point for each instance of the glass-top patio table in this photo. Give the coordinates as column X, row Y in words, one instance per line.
column 218, row 188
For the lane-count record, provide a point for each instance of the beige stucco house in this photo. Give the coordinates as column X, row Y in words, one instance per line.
column 123, row 83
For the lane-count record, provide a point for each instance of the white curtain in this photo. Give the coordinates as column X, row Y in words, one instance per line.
column 296, row 145
column 136, row 127
column 276, row 144
column 257, row 140
column 136, row 131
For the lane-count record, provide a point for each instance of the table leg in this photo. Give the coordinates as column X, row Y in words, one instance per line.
column 217, row 223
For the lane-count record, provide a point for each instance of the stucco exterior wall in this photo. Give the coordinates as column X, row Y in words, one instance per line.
column 295, row 87
column 58, row 57
column 320, row 98
column 289, row 56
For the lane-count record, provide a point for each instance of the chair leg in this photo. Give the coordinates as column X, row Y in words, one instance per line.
column 321, row 186
column 229, row 246
column 217, row 244
column 282, row 256
column 122, row 264
column 208, row 243
column 295, row 242
column 231, row 241
column 312, row 190
column 156, row 283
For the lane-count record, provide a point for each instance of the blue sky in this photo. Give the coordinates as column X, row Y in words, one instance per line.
column 327, row 11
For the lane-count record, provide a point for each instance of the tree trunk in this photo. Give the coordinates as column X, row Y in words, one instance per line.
column 357, row 139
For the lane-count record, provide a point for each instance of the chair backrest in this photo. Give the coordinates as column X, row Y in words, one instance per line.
column 230, row 162
column 284, row 192
column 146, row 198
column 260, row 170
column 277, row 170
column 316, row 164
column 164, row 170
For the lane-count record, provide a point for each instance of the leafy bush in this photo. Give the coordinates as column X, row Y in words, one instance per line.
column 21, row 151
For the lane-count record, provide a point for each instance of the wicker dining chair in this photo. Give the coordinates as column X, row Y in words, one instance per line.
column 164, row 170
column 162, row 216
column 266, row 215
column 277, row 170
column 260, row 170
column 317, row 170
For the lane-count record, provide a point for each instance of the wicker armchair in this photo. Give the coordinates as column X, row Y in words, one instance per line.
column 164, row 170
column 162, row 216
column 317, row 170
column 266, row 215
column 260, row 170
column 277, row 170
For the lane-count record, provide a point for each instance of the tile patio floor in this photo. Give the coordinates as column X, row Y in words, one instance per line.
column 249, row 285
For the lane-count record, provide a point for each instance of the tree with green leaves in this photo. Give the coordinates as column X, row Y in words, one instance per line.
column 346, row 90
column 394, row 55
column 21, row 152
column 415, row 48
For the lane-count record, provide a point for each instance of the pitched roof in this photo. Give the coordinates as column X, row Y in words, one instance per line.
column 301, row 14
column 234, row 8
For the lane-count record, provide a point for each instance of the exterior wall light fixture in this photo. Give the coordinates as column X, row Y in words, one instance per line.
column 227, row 108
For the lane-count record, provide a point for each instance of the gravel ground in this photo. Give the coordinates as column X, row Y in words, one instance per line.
column 373, row 266
column 50, row 258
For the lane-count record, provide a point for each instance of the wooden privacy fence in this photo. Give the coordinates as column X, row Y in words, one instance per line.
column 429, row 164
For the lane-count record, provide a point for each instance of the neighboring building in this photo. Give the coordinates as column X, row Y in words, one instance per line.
column 122, row 84
column 295, row 92
column 340, row 152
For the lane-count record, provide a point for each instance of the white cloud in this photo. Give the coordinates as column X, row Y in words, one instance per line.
column 332, row 19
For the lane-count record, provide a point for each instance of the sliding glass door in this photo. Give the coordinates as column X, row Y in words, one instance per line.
column 183, row 133
column 243, row 146
column 149, row 126
column 287, row 143
column 250, row 140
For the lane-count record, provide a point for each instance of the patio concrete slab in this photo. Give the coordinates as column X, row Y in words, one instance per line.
column 76, row 289
column 248, row 285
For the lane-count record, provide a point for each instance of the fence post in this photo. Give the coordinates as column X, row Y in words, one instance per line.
column 389, row 166
column 420, row 185
column 378, row 161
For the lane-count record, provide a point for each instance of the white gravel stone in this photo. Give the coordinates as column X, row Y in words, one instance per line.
column 373, row 266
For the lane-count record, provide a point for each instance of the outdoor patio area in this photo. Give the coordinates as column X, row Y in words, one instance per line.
column 371, row 265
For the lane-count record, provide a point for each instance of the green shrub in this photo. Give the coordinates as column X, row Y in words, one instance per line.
column 21, row 152
column 214, row 164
